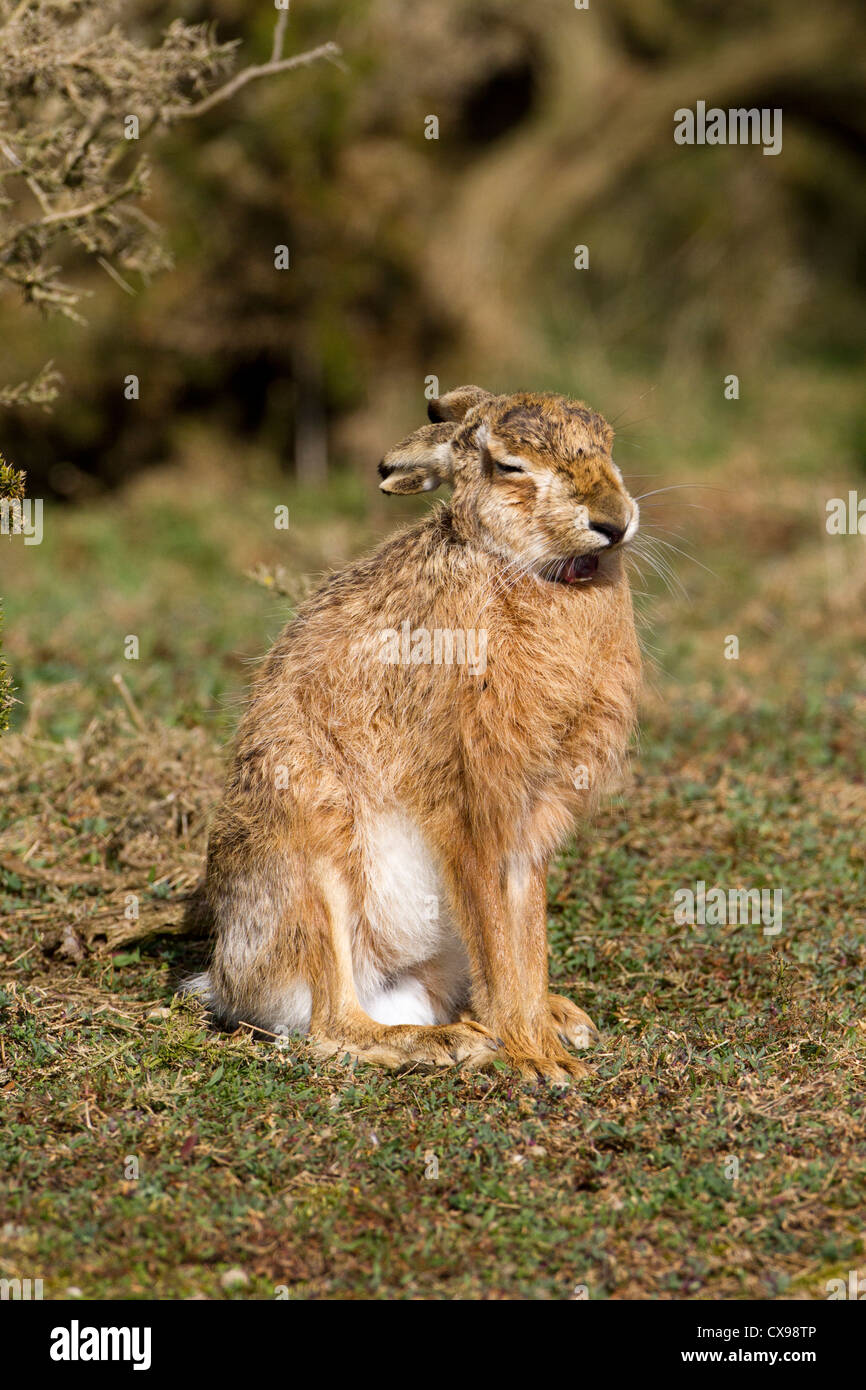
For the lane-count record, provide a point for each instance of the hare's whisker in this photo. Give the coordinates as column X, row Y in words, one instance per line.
column 659, row 541
column 637, row 400
column 676, row 487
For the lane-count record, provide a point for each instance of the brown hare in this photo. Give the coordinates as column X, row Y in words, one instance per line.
column 420, row 740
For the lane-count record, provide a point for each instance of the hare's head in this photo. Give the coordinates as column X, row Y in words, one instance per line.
column 532, row 476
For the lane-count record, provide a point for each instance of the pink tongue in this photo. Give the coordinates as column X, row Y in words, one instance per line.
column 580, row 567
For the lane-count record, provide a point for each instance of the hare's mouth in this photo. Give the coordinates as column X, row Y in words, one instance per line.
column 577, row 569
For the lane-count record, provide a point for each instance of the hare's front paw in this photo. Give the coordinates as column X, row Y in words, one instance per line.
column 547, row 1061
column 571, row 1023
column 539, row 1051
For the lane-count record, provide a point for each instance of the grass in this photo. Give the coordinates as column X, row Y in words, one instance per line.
column 718, row 1150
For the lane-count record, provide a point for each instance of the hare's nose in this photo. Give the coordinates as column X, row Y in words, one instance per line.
column 613, row 533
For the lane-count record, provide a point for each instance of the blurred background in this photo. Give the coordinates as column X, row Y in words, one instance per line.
column 451, row 258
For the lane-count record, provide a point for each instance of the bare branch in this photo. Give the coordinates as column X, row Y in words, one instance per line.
column 280, row 35
column 329, row 51
column 68, row 216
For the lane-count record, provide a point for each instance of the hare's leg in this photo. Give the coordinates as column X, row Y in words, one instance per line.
column 340, row 1025
column 254, row 975
column 554, row 1019
column 502, row 913
column 526, row 893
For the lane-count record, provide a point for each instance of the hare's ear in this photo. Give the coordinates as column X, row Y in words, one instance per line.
column 420, row 462
column 454, row 404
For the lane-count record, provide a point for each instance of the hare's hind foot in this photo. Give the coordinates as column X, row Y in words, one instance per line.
column 408, row 1045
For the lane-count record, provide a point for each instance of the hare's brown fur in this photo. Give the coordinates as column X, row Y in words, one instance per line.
column 377, row 867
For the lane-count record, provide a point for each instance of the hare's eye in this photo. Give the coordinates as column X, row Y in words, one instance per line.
column 508, row 467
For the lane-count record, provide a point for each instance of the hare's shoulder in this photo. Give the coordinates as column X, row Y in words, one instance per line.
column 416, row 564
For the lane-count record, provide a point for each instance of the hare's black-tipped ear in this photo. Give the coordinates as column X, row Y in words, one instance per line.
column 420, row 462
column 454, row 404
